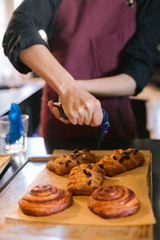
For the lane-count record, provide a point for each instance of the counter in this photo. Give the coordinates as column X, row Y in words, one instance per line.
column 18, row 95
column 38, row 146
column 28, row 97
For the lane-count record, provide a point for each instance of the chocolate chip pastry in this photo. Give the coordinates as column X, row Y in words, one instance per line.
column 121, row 161
column 85, row 178
column 45, row 199
column 63, row 164
column 113, row 201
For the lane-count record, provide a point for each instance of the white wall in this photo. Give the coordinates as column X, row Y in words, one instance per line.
column 8, row 74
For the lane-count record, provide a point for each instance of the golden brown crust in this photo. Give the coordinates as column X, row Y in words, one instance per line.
column 45, row 199
column 63, row 164
column 121, row 161
column 113, row 201
column 85, row 155
column 84, row 179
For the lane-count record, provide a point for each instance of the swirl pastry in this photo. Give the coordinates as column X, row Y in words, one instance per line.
column 45, row 200
column 84, row 179
column 121, row 161
column 63, row 164
column 113, row 201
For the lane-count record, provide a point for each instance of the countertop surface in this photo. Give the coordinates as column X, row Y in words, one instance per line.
column 24, row 173
column 18, row 95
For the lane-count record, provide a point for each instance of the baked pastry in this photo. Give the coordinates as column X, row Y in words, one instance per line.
column 113, row 201
column 63, row 164
column 84, row 155
column 45, row 200
column 121, row 161
column 85, row 178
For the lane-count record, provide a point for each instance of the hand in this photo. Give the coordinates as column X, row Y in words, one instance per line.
column 54, row 109
column 79, row 106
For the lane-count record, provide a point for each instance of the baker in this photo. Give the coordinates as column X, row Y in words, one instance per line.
column 95, row 54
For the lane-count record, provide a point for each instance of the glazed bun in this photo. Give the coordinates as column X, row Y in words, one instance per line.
column 113, row 201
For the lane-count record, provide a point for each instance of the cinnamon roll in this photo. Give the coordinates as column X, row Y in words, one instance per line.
column 45, row 200
column 121, row 161
column 113, row 201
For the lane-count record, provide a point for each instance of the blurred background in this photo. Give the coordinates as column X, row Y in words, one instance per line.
column 26, row 90
column 8, row 75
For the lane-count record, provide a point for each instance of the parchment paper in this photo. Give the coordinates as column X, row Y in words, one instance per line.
column 79, row 214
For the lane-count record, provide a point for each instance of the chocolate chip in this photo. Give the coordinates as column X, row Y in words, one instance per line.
column 121, row 160
column 76, row 150
column 114, row 157
column 134, row 151
column 61, row 163
column 72, row 155
column 89, row 182
column 124, row 158
column 87, row 173
column 78, row 162
column 127, row 153
column 101, row 166
column 90, row 166
column 77, row 154
column 67, row 163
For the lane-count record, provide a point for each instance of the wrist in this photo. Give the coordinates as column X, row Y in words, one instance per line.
column 66, row 84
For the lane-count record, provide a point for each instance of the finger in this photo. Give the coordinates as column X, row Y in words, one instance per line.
column 50, row 104
column 54, row 110
column 56, row 113
column 73, row 117
column 87, row 118
column 97, row 118
column 73, row 121
column 81, row 115
column 80, row 120
column 66, row 121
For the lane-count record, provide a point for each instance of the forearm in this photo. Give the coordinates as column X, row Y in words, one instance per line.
column 119, row 85
column 78, row 104
column 42, row 62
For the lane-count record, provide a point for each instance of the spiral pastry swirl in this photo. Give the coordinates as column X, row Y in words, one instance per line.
column 45, row 200
column 113, row 201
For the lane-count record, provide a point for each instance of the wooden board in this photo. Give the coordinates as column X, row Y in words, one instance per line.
column 140, row 230
column 4, row 160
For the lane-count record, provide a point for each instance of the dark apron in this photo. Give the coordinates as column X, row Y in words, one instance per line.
column 89, row 38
